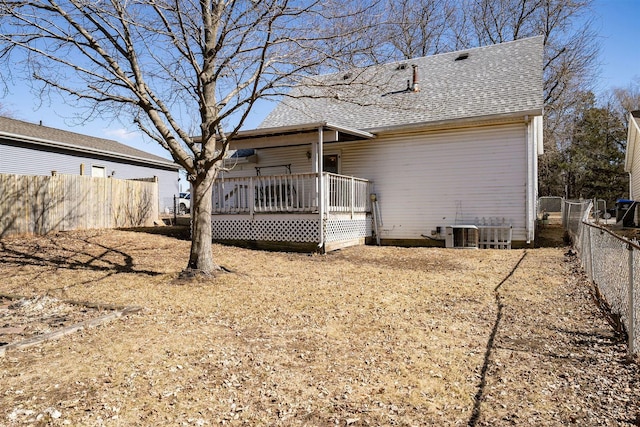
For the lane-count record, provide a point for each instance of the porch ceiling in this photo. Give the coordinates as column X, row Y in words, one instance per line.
column 296, row 135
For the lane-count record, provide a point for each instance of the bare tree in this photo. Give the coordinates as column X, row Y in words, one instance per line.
column 187, row 72
column 4, row 112
column 502, row 20
column 626, row 99
column 417, row 28
column 421, row 27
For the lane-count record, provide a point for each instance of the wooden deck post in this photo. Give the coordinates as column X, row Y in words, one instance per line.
column 252, row 198
column 353, row 195
column 320, row 187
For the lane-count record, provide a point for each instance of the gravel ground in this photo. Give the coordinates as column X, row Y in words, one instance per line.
column 362, row 336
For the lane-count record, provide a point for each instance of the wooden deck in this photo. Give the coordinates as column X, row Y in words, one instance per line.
column 327, row 211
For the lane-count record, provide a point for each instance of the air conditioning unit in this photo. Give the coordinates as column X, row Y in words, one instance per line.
column 461, row 237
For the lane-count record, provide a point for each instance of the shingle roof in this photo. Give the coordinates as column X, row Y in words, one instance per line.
column 500, row 79
column 17, row 129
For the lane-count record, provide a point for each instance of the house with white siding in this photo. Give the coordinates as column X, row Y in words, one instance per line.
column 632, row 155
column 32, row 149
column 440, row 150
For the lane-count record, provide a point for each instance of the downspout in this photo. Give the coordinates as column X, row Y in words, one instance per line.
column 320, row 187
column 530, row 158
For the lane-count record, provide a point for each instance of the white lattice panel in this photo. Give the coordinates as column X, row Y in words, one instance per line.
column 294, row 230
column 269, row 229
column 232, row 229
column 346, row 229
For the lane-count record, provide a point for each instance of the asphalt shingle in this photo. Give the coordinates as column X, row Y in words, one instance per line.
column 44, row 133
column 498, row 79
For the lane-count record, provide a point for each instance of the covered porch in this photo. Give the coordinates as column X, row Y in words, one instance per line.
column 311, row 211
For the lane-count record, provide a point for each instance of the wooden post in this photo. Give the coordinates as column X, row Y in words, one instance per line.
column 353, row 195
column 320, row 188
column 252, row 198
column 590, row 254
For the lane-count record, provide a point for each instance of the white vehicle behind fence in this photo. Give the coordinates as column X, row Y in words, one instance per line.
column 184, row 203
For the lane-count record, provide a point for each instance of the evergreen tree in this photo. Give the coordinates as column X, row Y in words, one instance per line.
column 594, row 161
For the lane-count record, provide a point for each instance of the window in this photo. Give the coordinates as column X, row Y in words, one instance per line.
column 98, row 171
column 331, row 163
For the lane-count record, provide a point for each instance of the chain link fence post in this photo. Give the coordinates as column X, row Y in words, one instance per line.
column 632, row 311
column 602, row 253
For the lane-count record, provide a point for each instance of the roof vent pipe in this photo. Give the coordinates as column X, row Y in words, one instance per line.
column 414, row 86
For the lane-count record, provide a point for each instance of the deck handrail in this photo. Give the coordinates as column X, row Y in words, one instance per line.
column 290, row 193
column 346, row 193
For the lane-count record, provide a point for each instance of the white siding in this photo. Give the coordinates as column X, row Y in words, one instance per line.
column 634, row 178
column 24, row 160
column 632, row 159
column 271, row 161
column 444, row 178
column 428, row 180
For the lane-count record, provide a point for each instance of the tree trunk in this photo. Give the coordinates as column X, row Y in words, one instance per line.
column 201, row 257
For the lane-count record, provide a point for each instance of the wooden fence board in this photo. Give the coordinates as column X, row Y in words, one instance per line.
column 44, row 204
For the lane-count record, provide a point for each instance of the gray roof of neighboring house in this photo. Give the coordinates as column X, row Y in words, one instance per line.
column 503, row 79
column 18, row 130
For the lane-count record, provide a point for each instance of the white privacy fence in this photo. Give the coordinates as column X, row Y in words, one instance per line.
column 612, row 263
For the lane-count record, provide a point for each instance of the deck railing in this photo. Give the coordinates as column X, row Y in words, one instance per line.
column 346, row 193
column 293, row 193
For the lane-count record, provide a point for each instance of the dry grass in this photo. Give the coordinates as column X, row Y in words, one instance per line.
column 364, row 336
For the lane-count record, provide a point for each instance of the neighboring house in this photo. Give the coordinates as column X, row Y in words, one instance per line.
column 407, row 151
column 632, row 157
column 632, row 166
column 32, row 149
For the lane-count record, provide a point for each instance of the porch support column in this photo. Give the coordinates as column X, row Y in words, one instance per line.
column 320, row 176
column 314, row 157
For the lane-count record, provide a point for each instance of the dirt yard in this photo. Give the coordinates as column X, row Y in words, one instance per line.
column 364, row 336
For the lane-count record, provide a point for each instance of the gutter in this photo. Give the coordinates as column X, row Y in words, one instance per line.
column 458, row 122
column 71, row 147
column 299, row 128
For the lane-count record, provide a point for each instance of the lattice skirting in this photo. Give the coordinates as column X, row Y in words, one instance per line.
column 346, row 229
column 304, row 230
column 275, row 230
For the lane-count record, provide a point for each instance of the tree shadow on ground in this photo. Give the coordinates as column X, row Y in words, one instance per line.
column 180, row 232
column 475, row 414
column 82, row 254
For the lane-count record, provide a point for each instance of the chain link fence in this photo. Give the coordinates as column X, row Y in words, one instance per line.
column 611, row 262
column 550, row 204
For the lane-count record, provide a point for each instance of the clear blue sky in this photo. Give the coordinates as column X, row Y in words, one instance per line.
column 616, row 21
